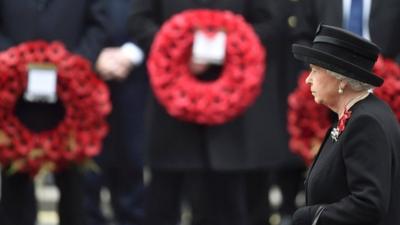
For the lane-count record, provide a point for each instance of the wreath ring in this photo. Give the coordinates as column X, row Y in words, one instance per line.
column 85, row 98
column 213, row 102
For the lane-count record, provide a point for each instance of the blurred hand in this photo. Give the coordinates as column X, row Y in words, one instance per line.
column 113, row 64
column 302, row 216
column 306, row 214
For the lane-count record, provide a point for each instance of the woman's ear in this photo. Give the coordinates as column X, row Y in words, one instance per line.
column 342, row 86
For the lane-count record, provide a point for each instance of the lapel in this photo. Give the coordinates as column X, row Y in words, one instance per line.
column 328, row 133
column 374, row 6
column 41, row 4
column 333, row 11
column 203, row 2
column 338, row 7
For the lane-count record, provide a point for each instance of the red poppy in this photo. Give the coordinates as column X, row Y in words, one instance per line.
column 84, row 97
column 343, row 120
column 389, row 70
column 212, row 102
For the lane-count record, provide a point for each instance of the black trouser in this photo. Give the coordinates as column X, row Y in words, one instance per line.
column 125, row 185
column 215, row 198
column 19, row 204
column 220, row 199
column 258, row 184
column 290, row 181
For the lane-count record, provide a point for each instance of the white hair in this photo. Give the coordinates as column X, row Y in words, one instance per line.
column 354, row 84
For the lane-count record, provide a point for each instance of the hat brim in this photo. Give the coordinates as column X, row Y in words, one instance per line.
column 333, row 63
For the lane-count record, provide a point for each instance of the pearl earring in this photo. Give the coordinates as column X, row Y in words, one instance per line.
column 340, row 91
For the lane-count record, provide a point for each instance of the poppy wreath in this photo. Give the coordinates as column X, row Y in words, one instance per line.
column 306, row 132
column 389, row 70
column 213, row 102
column 85, row 98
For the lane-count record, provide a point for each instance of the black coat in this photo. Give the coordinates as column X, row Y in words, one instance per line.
column 357, row 178
column 124, row 142
column 79, row 24
column 383, row 21
column 257, row 139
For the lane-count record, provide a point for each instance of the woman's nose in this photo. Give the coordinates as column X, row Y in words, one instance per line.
column 308, row 79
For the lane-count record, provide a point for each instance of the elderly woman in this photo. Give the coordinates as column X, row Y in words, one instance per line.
column 355, row 177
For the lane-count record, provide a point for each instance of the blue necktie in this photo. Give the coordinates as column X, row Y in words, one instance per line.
column 355, row 23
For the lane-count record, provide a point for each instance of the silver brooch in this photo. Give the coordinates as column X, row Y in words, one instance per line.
column 335, row 133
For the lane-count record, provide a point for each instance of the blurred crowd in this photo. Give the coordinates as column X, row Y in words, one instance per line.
column 153, row 164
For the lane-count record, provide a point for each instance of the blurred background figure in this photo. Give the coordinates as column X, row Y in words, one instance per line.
column 80, row 25
column 121, row 161
column 225, row 170
column 288, row 175
column 376, row 20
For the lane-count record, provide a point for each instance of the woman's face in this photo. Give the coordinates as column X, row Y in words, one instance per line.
column 324, row 87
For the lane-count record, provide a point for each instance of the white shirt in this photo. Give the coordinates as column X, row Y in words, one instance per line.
column 366, row 13
column 133, row 52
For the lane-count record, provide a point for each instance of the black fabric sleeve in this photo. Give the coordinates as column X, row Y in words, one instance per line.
column 307, row 22
column 305, row 215
column 95, row 36
column 5, row 42
column 143, row 24
column 367, row 156
column 266, row 18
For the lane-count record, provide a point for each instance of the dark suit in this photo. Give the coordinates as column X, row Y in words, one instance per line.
column 254, row 141
column 79, row 24
column 357, row 178
column 289, row 176
column 383, row 21
column 121, row 160
column 239, row 144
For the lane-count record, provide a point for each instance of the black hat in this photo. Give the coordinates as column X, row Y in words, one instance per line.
column 343, row 52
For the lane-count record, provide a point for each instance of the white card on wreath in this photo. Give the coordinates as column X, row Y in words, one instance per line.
column 42, row 83
column 209, row 49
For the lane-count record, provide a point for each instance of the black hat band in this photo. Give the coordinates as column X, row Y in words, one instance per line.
column 338, row 52
column 368, row 53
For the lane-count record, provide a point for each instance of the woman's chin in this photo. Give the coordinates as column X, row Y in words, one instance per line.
column 317, row 100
